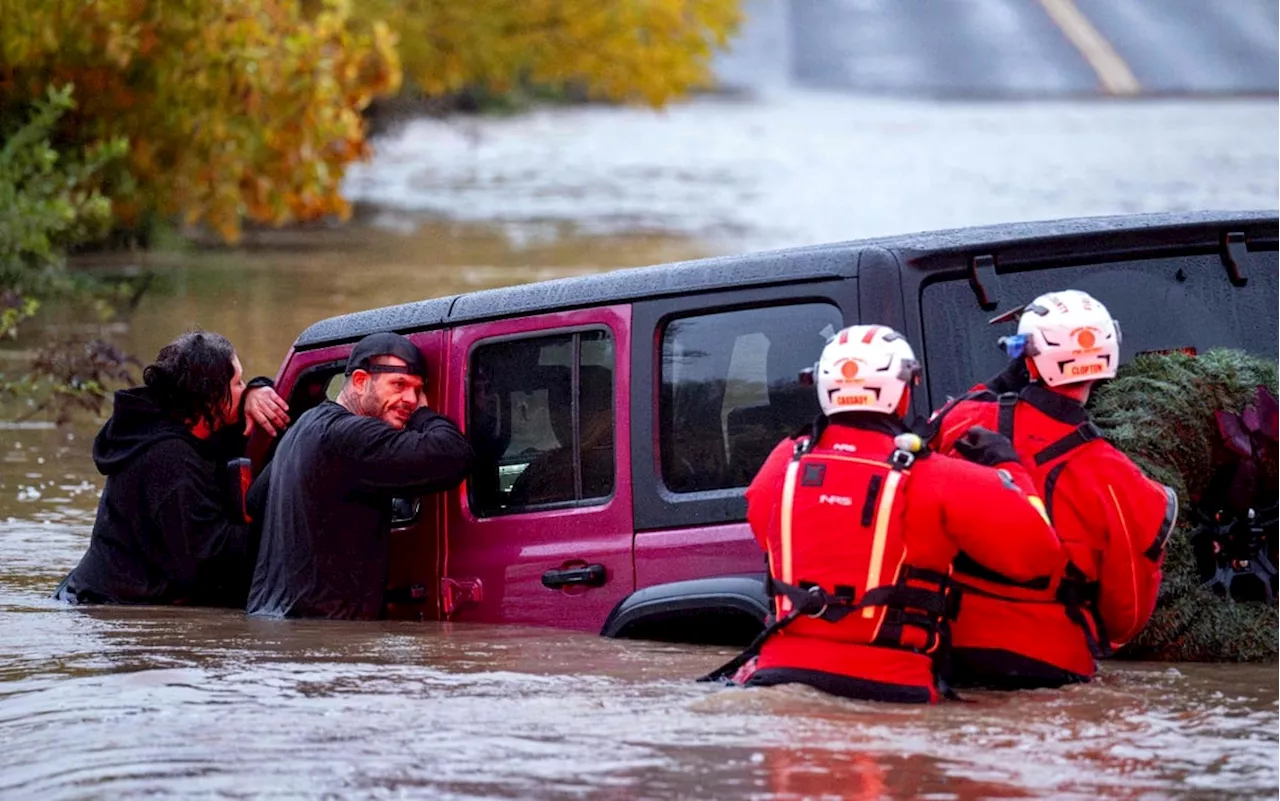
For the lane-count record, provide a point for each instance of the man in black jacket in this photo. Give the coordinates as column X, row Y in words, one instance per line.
column 167, row 530
column 328, row 489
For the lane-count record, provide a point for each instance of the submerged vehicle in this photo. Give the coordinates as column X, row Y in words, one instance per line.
column 618, row 418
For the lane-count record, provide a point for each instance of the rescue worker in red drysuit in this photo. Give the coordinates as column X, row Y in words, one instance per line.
column 861, row 525
column 1113, row 521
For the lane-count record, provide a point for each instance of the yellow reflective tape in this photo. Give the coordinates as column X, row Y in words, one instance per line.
column 1035, row 501
column 881, row 532
column 788, row 498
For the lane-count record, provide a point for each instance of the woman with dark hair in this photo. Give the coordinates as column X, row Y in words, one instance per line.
column 167, row 530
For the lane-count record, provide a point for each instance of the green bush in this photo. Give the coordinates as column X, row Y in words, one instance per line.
column 1160, row 410
column 52, row 204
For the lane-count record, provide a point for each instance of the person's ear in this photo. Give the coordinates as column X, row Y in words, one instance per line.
column 359, row 380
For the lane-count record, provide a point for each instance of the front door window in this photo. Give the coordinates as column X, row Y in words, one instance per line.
column 540, row 416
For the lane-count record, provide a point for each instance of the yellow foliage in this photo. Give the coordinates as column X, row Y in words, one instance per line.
column 648, row 51
column 251, row 109
column 233, row 109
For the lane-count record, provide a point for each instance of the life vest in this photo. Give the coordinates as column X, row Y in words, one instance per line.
column 837, row 566
column 838, row 574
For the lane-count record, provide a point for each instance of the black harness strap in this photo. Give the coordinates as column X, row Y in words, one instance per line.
column 869, row 505
column 1051, row 481
column 813, row 601
column 967, row 565
column 929, row 610
column 1079, row 597
column 1004, row 421
column 1083, row 433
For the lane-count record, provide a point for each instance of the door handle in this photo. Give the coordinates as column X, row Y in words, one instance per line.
column 585, row 576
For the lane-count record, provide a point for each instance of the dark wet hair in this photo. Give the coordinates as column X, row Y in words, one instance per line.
column 191, row 377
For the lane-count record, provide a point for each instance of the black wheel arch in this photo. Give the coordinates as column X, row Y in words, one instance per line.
column 717, row 610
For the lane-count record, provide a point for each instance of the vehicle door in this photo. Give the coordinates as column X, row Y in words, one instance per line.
column 723, row 372
column 541, row 532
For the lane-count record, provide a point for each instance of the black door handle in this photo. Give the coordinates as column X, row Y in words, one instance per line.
column 586, row 576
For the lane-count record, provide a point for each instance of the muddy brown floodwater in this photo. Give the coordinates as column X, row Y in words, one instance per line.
column 148, row 702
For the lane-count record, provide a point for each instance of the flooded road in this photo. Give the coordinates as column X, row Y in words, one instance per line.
column 113, row 703
column 799, row 168
column 128, row 703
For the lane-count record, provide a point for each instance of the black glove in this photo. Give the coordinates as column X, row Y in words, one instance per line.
column 986, row 447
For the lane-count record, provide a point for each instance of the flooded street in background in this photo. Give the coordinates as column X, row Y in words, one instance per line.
column 111, row 703
column 806, row 167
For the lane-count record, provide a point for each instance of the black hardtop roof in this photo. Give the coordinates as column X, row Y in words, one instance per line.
column 811, row 263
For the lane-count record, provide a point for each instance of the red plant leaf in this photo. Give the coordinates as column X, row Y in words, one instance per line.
column 1268, row 413
column 1234, row 433
column 1249, row 419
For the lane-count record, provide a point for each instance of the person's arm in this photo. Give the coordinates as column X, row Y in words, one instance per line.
column 951, row 422
column 260, row 407
column 1138, row 515
column 991, row 509
column 766, row 488
column 430, row 454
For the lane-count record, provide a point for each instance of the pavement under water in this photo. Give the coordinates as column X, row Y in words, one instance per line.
column 133, row 702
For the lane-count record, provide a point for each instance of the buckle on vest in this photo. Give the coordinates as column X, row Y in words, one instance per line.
column 819, row 595
column 901, row 460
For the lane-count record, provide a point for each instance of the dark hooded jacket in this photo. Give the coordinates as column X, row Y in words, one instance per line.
column 166, row 530
column 327, row 519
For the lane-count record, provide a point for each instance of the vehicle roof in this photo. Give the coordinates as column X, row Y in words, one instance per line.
column 1015, row 241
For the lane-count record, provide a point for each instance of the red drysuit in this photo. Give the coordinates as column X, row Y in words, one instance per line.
column 1112, row 520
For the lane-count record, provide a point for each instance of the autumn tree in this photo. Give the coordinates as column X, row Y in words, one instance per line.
column 251, row 109
column 647, row 51
column 233, row 109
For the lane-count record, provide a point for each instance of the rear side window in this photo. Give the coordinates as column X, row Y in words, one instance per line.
column 730, row 390
column 540, row 415
column 1162, row 304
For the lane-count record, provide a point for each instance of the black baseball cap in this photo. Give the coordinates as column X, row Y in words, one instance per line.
column 387, row 344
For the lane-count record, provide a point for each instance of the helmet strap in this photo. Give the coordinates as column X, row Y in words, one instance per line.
column 904, row 404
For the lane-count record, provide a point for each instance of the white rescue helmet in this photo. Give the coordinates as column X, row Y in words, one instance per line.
column 1070, row 337
column 865, row 368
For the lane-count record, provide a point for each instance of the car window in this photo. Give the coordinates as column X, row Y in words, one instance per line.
column 1161, row 304
column 731, row 390
column 540, row 415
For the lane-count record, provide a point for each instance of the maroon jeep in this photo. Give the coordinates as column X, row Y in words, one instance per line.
column 617, row 418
